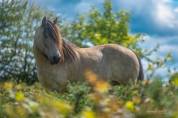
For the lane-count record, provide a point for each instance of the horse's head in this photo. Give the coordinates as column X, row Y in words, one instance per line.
column 48, row 41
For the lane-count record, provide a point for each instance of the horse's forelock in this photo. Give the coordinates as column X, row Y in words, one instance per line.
column 53, row 31
column 65, row 49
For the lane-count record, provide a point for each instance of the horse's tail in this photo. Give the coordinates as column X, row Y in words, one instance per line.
column 141, row 74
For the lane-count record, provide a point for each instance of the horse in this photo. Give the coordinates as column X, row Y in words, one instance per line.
column 59, row 61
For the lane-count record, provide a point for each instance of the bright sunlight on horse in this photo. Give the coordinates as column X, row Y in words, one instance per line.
column 59, row 61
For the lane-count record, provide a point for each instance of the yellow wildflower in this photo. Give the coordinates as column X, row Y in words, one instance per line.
column 62, row 107
column 130, row 106
column 99, row 85
column 102, row 86
column 19, row 96
column 90, row 76
column 8, row 85
column 88, row 113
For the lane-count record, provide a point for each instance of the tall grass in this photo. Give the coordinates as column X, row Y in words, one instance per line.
column 91, row 99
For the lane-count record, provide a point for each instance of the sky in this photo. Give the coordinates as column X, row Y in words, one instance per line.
column 157, row 20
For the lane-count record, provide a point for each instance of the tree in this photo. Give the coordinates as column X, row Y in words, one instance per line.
column 18, row 20
column 102, row 27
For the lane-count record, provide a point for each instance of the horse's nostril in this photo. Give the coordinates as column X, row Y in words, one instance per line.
column 56, row 59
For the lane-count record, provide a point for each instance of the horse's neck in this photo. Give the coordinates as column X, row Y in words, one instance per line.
column 67, row 42
column 69, row 51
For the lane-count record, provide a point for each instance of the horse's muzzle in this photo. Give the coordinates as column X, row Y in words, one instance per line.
column 55, row 60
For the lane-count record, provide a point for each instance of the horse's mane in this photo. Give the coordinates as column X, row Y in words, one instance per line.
column 66, row 48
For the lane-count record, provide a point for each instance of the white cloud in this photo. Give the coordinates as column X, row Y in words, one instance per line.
column 135, row 6
column 167, row 1
column 152, row 16
column 82, row 7
column 164, row 15
column 176, row 10
column 169, row 48
column 167, row 44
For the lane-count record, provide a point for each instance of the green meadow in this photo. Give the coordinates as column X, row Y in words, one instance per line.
column 22, row 96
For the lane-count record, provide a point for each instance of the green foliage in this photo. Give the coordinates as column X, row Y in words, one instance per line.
column 18, row 21
column 103, row 27
column 146, row 99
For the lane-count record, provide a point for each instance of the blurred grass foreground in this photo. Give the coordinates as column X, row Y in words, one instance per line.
column 21, row 96
column 92, row 99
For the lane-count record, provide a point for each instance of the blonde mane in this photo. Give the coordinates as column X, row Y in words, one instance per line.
column 66, row 49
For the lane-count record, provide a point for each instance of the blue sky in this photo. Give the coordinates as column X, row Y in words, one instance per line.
column 156, row 19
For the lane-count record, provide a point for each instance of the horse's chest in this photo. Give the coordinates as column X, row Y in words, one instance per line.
column 52, row 78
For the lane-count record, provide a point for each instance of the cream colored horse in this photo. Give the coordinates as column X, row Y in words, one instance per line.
column 59, row 61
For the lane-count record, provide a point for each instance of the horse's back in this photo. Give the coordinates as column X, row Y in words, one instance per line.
column 117, row 63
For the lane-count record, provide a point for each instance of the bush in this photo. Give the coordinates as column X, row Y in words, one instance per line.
column 87, row 100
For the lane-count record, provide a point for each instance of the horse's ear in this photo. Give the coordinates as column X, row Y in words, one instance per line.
column 55, row 20
column 44, row 21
